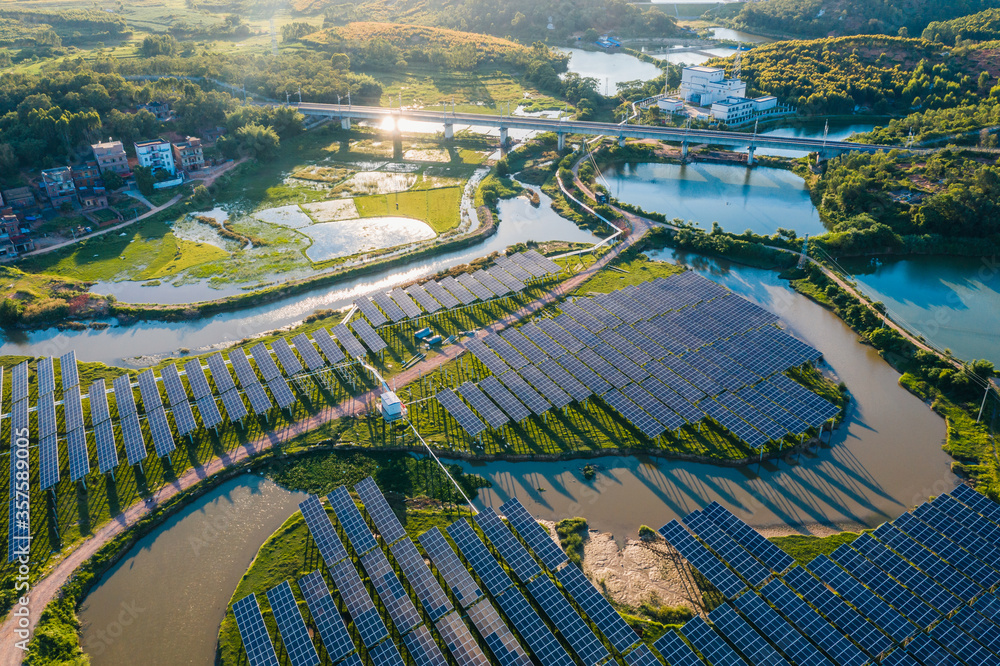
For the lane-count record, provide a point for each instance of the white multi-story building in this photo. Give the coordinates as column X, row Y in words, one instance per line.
column 706, row 85
column 670, row 105
column 735, row 110
column 157, row 155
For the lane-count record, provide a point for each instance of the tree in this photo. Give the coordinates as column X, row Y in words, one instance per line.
column 590, row 35
column 112, row 181
column 340, row 61
column 259, row 142
column 144, row 180
column 10, row 312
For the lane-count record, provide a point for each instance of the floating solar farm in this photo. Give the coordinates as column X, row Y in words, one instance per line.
column 664, row 354
column 919, row 590
column 129, row 425
column 510, row 275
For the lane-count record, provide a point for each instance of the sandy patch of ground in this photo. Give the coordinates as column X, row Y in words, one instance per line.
column 284, row 216
column 426, row 155
column 322, row 173
column 190, row 229
column 332, row 211
column 348, row 237
column 630, row 574
column 377, row 182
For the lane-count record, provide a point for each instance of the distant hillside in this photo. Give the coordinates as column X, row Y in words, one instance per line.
column 819, row 18
column 882, row 74
column 524, row 20
column 978, row 27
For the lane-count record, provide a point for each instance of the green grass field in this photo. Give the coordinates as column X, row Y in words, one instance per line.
column 804, row 547
column 437, row 207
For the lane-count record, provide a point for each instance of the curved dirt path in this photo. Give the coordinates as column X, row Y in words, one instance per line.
column 46, row 589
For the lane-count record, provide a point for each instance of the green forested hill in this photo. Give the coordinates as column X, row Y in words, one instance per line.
column 978, row 27
column 818, row 18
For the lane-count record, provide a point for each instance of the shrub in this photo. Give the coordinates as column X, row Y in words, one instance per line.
column 571, row 532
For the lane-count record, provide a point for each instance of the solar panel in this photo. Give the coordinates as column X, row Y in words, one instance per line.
column 977, row 502
column 982, row 549
column 811, row 624
column 405, row 303
column 386, row 522
column 420, row 294
column 710, row 644
column 593, row 308
column 947, row 549
column 397, row 602
column 509, row 281
column 179, row 405
column 334, row 354
column 460, row 642
column 527, row 395
column 487, row 356
column 505, row 648
column 527, row 264
column 961, row 645
column 135, row 445
column 504, row 350
column 371, row 311
column 641, row 656
column 620, row 343
column 593, row 381
column 598, row 609
column 701, row 559
column 19, row 383
column 282, row 393
column 632, row 413
column 778, row 631
column 330, row 547
column 104, row 432
column 563, row 339
column 458, row 290
column 481, row 291
column 542, row 262
column 268, row 368
column 728, row 550
column 368, row 336
column 350, row 343
column 421, row 646
column 455, row 575
column 68, row 370
column 584, row 319
column 289, row 361
column 482, row 562
column 459, row 411
column 903, row 600
column 149, row 391
column 492, row 414
column 505, row 399
column 256, row 641
column 532, row 629
column 196, row 379
column 220, row 373
column 566, row 619
column 163, row 440
column 913, row 578
column 48, row 460
column 46, row 376
column 209, row 411
column 660, row 412
column 491, row 283
column 308, row 352
column 979, row 627
column 19, row 529
column 512, row 268
column 46, row 414
column 545, row 386
column 441, row 295
column 849, row 621
column 234, row 405
column 607, row 371
column 351, row 520
column 574, row 328
column 241, row 366
column 514, row 554
column 258, row 398
column 389, row 307
column 523, row 345
column 537, row 538
column 359, row 604
column 325, row 616
column 876, row 610
column 291, row 627
column 423, row 582
column 675, row 650
column 564, row 380
column 76, row 444
column 385, row 653
column 900, row 657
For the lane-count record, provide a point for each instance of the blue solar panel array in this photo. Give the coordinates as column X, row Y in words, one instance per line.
column 256, row 641
column 702, row 559
column 332, row 630
column 291, row 627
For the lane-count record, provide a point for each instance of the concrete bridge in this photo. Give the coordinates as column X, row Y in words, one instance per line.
column 737, row 140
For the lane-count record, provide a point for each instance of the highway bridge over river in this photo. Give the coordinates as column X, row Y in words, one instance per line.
column 737, row 140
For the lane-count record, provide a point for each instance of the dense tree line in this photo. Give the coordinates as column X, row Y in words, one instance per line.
column 524, row 20
column 978, row 27
column 819, row 18
column 882, row 74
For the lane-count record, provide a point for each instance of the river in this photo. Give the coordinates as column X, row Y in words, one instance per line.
column 954, row 302
column 857, row 481
column 610, row 69
column 164, row 601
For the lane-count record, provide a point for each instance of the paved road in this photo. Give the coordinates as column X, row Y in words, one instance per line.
column 46, row 589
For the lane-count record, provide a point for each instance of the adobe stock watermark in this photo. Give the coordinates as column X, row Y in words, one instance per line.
column 20, row 535
column 106, row 637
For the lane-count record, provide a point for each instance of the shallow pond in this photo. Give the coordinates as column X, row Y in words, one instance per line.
column 349, row 237
column 610, row 69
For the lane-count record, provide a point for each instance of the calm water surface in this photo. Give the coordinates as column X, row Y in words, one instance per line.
column 164, row 602
column 954, row 302
column 610, row 69
column 760, row 199
column 858, row 481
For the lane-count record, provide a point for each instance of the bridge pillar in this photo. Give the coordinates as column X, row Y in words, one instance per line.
column 750, row 155
column 504, row 137
column 562, row 141
column 449, row 130
column 345, row 123
column 621, row 140
column 684, row 151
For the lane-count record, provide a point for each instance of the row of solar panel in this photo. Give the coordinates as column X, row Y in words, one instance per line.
column 155, row 411
column 509, row 275
column 923, row 581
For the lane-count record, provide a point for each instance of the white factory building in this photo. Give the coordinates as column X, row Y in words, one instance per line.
column 703, row 86
column 735, row 110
